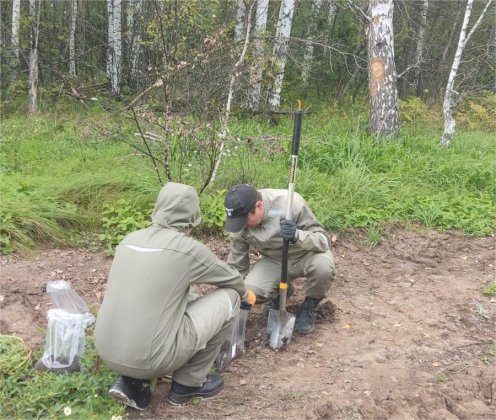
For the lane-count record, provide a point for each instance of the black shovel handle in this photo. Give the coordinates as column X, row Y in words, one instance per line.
column 295, row 145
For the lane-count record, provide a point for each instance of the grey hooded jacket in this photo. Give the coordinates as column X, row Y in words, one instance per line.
column 149, row 282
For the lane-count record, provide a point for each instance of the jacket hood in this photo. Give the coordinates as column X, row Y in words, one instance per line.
column 178, row 206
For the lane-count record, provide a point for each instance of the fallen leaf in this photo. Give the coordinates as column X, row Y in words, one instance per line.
column 334, row 238
column 347, row 326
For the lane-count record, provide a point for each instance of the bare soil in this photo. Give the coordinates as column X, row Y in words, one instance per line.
column 405, row 334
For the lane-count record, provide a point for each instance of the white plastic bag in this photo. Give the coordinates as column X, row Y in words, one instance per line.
column 67, row 322
column 234, row 344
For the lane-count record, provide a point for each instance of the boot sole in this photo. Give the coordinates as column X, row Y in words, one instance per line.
column 304, row 332
column 175, row 399
column 124, row 399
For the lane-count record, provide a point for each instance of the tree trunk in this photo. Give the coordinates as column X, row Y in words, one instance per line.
column 114, row 56
column 256, row 69
column 239, row 30
column 34, row 16
column 134, row 40
column 421, row 45
column 283, row 31
column 449, row 100
column 72, row 39
column 383, row 95
column 16, row 14
column 311, row 28
column 331, row 17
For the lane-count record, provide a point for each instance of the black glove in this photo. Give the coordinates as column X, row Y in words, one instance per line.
column 288, row 230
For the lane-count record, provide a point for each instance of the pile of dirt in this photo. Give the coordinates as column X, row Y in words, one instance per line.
column 405, row 333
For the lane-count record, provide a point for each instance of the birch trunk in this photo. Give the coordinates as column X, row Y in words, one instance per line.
column 16, row 14
column 311, row 31
column 421, row 45
column 72, row 39
column 283, row 31
column 256, row 69
column 34, row 15
column 331, row 17
column 383, row 95
column 239, row 30
column 110, row 34
column 134, row 47
column 115, row 45
column 449, row 100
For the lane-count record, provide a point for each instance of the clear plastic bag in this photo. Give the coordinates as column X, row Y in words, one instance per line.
column 234, row 344
column 67, row 322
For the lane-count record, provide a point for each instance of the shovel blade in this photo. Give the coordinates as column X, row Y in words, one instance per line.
column 280, row 326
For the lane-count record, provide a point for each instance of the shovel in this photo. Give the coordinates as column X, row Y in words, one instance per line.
column 280, row 323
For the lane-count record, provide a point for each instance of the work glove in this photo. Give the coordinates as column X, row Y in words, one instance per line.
column 248, row 301
column 288, row 230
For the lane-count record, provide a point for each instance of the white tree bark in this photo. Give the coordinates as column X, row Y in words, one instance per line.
column 283, row 31
column 256, row 69
column 449, row 100
column 34, row 16
column 134, row 47
column 72, row 39
column 239, row 29
column 421, row 43
column 383, row 95
column 16, row 14
column 114, row 56
column 331, row 17
column 311, row 31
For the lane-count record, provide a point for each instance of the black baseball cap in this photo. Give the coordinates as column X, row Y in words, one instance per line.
column 239, row 201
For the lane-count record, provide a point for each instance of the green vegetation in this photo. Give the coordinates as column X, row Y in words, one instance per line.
column 72, row 176
column 26, row 393
column 490, row 289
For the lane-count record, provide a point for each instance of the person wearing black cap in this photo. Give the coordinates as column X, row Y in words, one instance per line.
column 257, row 218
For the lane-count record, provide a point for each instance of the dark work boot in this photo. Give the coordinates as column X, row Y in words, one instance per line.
column 305, row 320
column 182, row 394
column 135, row 393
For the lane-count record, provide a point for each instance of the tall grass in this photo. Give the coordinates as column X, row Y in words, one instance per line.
column 60, row 170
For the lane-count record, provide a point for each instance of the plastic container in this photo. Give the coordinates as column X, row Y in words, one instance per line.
column 234, row 345
column 67, row 322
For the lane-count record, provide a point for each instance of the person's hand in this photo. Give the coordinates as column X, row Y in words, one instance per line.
column 288, row 230
column 248, row 301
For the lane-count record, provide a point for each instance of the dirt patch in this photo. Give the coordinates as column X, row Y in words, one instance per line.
column 406, row 333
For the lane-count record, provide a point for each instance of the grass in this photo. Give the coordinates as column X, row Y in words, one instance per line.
column 61, row 170
column 26, row 393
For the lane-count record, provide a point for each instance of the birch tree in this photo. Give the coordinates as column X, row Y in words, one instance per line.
column 449, row 100
column 134, row 39
column 383, row 93
column 114, row 55
column 311, row 31
column 256, row 69
column 16, row 15
column 421, row 44
column 239, row 29
column 72, row 39
column 283, row 31
column 34, row 16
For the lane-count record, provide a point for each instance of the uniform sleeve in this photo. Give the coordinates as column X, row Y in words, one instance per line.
column 208, row 269
column 310, row 234
column 238, row 256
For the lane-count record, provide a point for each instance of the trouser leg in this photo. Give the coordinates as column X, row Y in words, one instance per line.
column 263, row 279
column 211, row 316
column 319, row 270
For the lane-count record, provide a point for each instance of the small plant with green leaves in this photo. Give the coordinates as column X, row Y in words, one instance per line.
column 120, row 219
column 213, row 212
column 374, row 236
column 26, row 393
column 482, row 312
column 490, row 289
column 441, row 377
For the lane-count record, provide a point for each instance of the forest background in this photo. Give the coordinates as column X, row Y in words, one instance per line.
column 104, row 101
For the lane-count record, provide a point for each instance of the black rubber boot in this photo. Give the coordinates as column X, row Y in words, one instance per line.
column 305, row 320
column 182, row 394
column 135, row 393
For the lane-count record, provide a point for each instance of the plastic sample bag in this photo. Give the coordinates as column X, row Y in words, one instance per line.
column 67, row 322
column 234, row 344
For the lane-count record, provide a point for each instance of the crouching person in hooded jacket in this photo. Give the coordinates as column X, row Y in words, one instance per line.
column 149, row 325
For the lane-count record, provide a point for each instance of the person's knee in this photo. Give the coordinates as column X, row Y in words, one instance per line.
column 323, row 268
